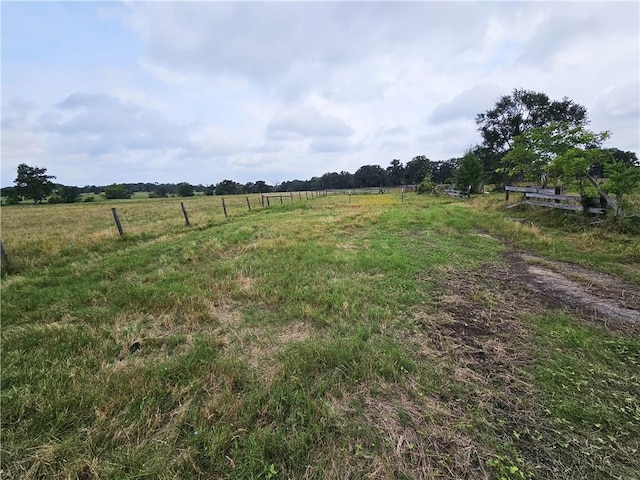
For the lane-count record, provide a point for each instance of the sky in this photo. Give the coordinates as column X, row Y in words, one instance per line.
column 198, row 92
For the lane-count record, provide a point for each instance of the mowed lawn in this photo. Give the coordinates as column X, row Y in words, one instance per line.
column 333, row 337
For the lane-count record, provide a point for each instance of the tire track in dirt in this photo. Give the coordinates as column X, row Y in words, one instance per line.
column 597, row 296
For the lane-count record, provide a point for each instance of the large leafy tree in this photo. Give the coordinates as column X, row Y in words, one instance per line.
column 228, row 187
column 441, row 172
column 370, row 176
column 524, row 110
column 33, row 183
column 417, row 169
column 518, row 113
column 395, row 173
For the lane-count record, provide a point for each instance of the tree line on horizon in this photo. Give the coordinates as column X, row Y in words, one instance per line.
column 525, row 137
column 33, row 183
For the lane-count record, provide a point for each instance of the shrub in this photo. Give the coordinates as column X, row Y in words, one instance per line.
column 426, row 186
column 116, row 191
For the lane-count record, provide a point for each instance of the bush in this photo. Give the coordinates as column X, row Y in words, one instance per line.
column 89, row 199
column 426, row 186
column 54, row 199
column 184, row 189
column 116, row 191
column 12, row 200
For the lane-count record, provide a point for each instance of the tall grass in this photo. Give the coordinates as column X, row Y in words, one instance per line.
column 313, row 340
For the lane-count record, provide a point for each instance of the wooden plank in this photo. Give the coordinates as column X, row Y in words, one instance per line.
column 530, row 190
column 604, row 195
column 564, row 206
column 569, row 198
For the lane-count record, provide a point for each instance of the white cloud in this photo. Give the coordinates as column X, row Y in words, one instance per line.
column 330, row 145
column 200, row 91
column 99, row 123
column 467, row 104
column 306, row 122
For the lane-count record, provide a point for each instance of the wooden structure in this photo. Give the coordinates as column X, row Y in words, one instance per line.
column 553, row 198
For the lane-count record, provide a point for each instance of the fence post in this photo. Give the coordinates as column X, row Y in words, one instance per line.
column 3, row 255
column 506, row 194
column 402, row 194
column 262, row 200
column 299, row 195
column 117, row 220
column 280, row 199
column 184, row 212
column 291, row 198
column 224, row 208
column 248, row 204
column 306, row 195
column 268, row 202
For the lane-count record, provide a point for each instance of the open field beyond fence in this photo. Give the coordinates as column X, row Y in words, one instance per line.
column 380, row 336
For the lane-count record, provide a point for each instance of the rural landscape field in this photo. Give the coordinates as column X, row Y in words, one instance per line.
column 366, row 336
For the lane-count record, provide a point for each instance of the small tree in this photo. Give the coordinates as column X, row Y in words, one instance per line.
column 469, row 174
column 572, row 166
column 33, row 183
column 116, row 191
column 622, row 179
column 228, row 187
column 69, row 194
column 184, row 189
column 558, row 149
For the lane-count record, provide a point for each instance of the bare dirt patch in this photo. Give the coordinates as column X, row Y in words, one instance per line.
column 478, row 331
column 596, row 296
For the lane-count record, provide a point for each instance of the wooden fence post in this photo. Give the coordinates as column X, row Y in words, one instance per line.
column 268, row 202
column 291, row 198
column 248, row 204
column 184, row 212
column 558, row 191
column 306, row 195
column 280, row 199
column 224, row 208
column 114, row 211
column 262, row 200
column 299, row 195
column 4, row 256
column 402, row 194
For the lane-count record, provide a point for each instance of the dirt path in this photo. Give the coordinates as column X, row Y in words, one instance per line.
column 601, row 297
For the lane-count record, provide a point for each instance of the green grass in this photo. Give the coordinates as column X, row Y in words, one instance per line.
column 310, row 340
column 567, row 237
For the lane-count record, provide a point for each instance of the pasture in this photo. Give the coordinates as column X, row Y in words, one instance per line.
column 334, row 337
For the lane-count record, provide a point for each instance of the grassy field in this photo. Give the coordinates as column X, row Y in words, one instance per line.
column 328, row 338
